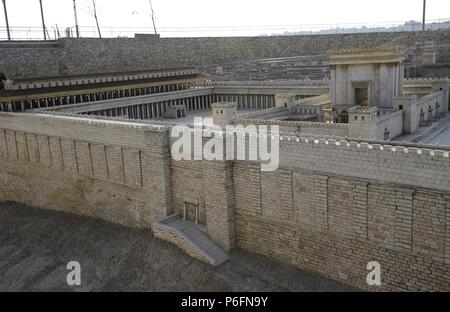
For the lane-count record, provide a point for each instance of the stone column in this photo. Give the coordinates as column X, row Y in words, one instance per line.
column 153, row 110
column 150, row 111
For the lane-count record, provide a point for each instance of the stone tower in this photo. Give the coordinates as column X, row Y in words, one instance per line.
column 224, row 113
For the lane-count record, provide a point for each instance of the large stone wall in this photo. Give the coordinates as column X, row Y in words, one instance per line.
column 391, row 121
column 118, row 172
column 81, row 56
column 413, row 107
column 335, row 208
column 300, row 127
column 332, row 206
column 210, row 185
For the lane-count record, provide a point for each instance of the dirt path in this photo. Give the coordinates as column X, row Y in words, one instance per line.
column 36, row 245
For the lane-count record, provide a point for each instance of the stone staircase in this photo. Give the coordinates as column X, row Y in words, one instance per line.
column 190, row 238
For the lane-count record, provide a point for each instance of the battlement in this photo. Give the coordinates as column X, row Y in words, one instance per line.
column 412, row 149
column 412, row 80
column 92, row 121
column 291, row 123
column 375, row 145
column 348, row 143
column 411, row 165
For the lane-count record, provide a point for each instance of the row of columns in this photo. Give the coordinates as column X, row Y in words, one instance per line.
column 90, row 97
column 247, row 101
column 196, row 103
column 156, row 110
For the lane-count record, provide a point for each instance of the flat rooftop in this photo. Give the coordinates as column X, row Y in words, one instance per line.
column 93, row 86
column 189, row 120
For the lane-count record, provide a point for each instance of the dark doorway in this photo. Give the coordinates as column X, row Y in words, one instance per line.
column 361, row 97
column 191, row 212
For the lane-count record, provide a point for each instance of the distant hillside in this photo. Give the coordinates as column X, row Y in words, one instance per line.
column 408, row 26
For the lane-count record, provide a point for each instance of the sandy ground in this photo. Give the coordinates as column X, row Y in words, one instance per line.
column 36, row 245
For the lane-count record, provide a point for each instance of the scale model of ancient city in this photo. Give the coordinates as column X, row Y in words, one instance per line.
column 86, row 127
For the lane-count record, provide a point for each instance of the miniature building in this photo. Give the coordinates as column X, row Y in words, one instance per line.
column 175, row 111
column 284, row 100
column 362, row 122
column 369, row 78
column 224, row 113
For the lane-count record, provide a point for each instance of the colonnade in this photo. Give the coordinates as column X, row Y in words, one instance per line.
column 91, row 96
column 156, row 109
column 193, row 103
column 247, row 101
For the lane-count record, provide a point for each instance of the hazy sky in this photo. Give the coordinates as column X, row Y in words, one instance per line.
column 222, row 13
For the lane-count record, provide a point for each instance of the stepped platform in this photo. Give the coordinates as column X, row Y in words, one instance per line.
column 190, row 238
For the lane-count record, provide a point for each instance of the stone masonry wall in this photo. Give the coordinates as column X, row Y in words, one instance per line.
column 331, row 207
column 82, row 56
column 210, row 184
column 118, row 172
column 334, row 208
